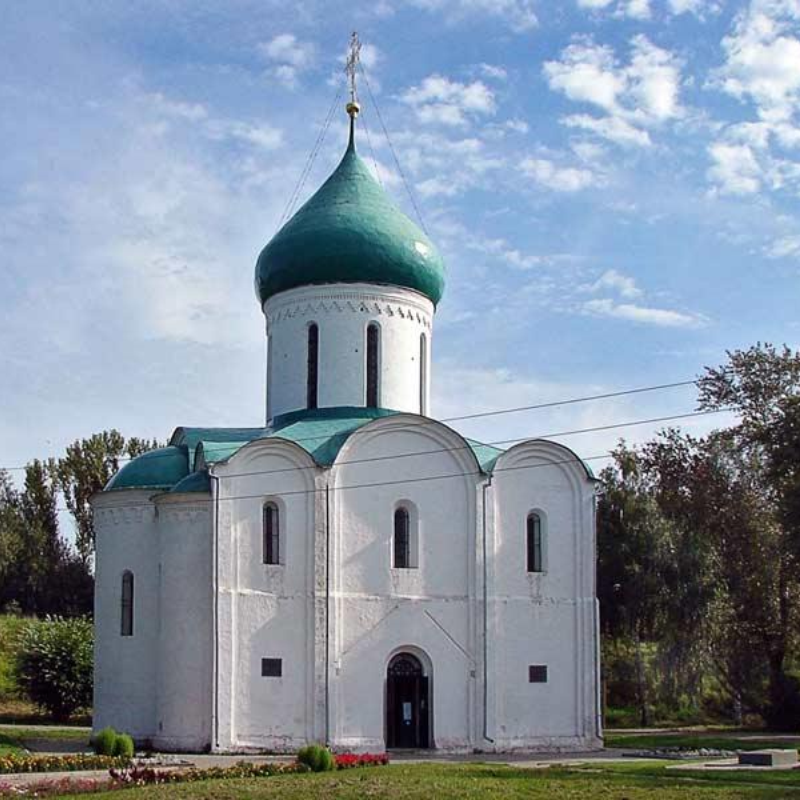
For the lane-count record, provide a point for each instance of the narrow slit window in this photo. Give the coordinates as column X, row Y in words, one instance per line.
column 312, row 380
column 373, row 357
column 272, row 534
column 423, row 373
column 402, row 539
column 126, row 628
column 535, row 550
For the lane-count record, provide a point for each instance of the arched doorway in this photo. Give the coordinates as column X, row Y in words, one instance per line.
column 407, row 703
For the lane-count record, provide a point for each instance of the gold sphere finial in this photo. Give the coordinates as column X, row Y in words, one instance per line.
column 353, row 109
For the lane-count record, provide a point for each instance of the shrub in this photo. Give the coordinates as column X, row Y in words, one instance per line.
column 11, row 629
column 105, row 743
column 54, row 665
column 123, row 746
column 317, row 758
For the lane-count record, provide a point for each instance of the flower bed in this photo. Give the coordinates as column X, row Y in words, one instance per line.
column 55, row 788
column 350, row 760
column 144, row 776
column 13, row 762
column 123, row 775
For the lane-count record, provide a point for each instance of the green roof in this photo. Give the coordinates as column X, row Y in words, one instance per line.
column 350, row 231
column 182, row 467
column 194, row 482
column 156, row 469
column 321, row 433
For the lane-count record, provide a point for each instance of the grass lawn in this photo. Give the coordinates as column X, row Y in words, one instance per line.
column 692, row 741
column 485, row 781
column 9, row 744
column 13, row 737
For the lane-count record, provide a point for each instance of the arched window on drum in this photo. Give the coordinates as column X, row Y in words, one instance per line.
column 312, row 374
column 373, row 365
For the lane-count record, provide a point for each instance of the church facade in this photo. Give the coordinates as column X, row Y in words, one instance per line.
column 355, row 572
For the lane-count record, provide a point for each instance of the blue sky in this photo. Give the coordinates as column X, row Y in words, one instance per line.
column 613, row 183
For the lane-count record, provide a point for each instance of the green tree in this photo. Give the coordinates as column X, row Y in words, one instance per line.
column 11, row 534
column 85, row 469
column 633, row 558
column 760, row 543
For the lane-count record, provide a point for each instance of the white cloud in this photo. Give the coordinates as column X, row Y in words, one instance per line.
column 290, row 57
column 645, row 315
column 761, row 59
column 735, row 168
column 286, row 48
column 762, row 54
column 561, row 179
column 261, row 135
column 697, row 7
column 635, row 97
column 439, row 100
column 785, row 247
column 519, row 15
column 159, row 112
column 517, row 125
column 493, row 71
column 437, row 187
column 642, row 9
column 446, row 167
column 616, row 281
column 614, row 129
column 163, row 105
column 746, row 160
column 634, row 9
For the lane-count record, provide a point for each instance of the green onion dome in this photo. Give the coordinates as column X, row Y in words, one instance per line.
column 350, row 232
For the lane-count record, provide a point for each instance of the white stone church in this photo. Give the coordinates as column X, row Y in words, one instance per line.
column 355, row 572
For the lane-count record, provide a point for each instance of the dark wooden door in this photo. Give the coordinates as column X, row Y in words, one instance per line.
column 407, row 707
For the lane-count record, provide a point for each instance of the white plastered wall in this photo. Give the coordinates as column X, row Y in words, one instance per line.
column 126, row 667
column 342, row 313
column 186, row 628
column 378, row 611
column 266, row 611
column 547, row 618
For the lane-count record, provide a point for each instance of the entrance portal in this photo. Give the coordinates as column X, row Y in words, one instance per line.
column 407, row 706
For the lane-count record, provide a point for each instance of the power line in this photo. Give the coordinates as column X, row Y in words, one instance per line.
column 425, row 479
column 574, row 458
column 484, row 414
column 391, row 148
column 467, row 446
column 287, row 211
column 372, row 151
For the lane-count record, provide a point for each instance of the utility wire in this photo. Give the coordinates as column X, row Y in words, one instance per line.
column 434, row 451
column 372, row 151
column 391, row 148
column 480, row 414
column 404, row 481
column 467, row 446
column 287, row 212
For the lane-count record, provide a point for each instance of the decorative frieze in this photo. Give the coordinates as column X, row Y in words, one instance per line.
column 350, row 303
column 182, row 513
column 121, row 515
